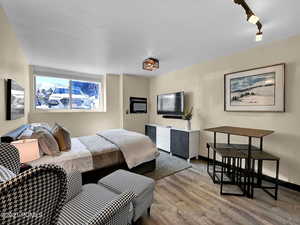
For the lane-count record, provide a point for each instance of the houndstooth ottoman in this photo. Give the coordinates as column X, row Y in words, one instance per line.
column 121, row 180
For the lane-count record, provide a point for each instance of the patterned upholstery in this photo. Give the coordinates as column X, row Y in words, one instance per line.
column 142, row 186
column 74, row 184
column 10, row 157
column 117, row 205
column 38, row 196
column 34, row 197
column 135, row 182
column 92, row 204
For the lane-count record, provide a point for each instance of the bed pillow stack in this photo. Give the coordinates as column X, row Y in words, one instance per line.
column 62, row 137
column 51, row 140
column 47, row 142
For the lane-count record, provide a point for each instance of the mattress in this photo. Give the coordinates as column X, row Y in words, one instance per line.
column 104, row 153
column 82, row 158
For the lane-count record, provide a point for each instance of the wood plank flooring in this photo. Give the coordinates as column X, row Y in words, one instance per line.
column 190, row 198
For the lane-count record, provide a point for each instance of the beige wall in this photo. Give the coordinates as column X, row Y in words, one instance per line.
column 203, row 84
column 134, row 86
column 88, row 123
column 13, row 65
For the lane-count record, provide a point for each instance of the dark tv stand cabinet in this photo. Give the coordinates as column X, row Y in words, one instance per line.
column 150, row 131
column 179, row 142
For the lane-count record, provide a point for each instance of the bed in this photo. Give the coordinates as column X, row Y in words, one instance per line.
column 115, row 148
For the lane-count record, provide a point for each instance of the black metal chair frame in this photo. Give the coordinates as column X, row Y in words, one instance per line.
column 242, row 177
column 260, row 185
column 232, row 168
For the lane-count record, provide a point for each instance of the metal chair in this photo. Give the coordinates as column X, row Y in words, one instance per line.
column 259, row 157
column 231, row 165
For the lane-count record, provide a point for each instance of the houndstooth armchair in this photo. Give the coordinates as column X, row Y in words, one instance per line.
column 33, row 197
column 45, row 195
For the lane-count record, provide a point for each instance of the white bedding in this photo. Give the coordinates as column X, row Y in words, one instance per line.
column 106, row 148
column 136, row 148
column 78, row 158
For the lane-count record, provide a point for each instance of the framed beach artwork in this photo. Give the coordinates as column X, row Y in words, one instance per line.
column 258, row 90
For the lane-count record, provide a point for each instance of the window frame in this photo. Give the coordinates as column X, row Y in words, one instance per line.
column 99, row 81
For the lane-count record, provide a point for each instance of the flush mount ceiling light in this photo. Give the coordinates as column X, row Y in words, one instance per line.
column 251, row 18
column 151, row 64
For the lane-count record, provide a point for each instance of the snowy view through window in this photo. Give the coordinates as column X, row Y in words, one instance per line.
column 57, row 93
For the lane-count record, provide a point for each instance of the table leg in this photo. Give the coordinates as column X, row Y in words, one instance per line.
column 222, row 176
column 215, row 139
column 248, row 168
column 259, row 172
column 234, row 170
column 277, row 180
column 208, row 158
column 260, row 165
column 214, row 166
column 252, row 178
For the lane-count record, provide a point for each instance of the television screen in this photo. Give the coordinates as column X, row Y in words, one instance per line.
column 170, row 104
column 15, row 100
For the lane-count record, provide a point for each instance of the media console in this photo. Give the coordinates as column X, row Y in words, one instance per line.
column 179, row 142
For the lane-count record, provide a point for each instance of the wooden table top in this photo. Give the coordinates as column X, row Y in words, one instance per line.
column 247, row 132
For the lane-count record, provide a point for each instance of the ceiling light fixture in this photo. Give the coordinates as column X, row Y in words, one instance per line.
column 259, row 36
column 151, row 64
column 251, row 18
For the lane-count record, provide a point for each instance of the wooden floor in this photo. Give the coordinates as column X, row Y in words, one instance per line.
column 191, row 198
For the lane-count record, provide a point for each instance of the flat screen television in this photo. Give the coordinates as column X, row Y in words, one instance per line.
column 170, row 104
column 15, row 100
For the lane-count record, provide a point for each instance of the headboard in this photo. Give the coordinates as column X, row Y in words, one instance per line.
column 13, row 135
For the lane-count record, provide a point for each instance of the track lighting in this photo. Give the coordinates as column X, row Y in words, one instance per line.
column 251, row 18
column 259, row 36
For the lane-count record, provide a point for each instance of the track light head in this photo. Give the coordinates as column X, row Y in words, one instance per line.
column 252, row 18
column 259, row 36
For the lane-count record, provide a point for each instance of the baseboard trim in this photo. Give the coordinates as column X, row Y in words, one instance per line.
column 292, row 186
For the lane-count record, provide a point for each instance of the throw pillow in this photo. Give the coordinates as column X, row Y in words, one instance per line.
column 5, row 174
column 37, row 126
column 26, row 134
column 62, row 137
column 47, row 142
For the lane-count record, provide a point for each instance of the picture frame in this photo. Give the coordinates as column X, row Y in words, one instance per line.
column 15, row 100
column 255, row 90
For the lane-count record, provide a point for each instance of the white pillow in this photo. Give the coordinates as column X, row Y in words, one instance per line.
column 5, row 174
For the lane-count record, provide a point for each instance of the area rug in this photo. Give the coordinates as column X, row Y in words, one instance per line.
column 167, row 165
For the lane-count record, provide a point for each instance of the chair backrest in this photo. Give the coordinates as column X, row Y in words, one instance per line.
column 10, row 157
column 34, row 197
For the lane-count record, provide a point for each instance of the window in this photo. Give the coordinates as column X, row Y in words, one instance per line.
column 52, row 93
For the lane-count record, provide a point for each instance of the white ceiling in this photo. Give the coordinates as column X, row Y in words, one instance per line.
column 115, row 36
